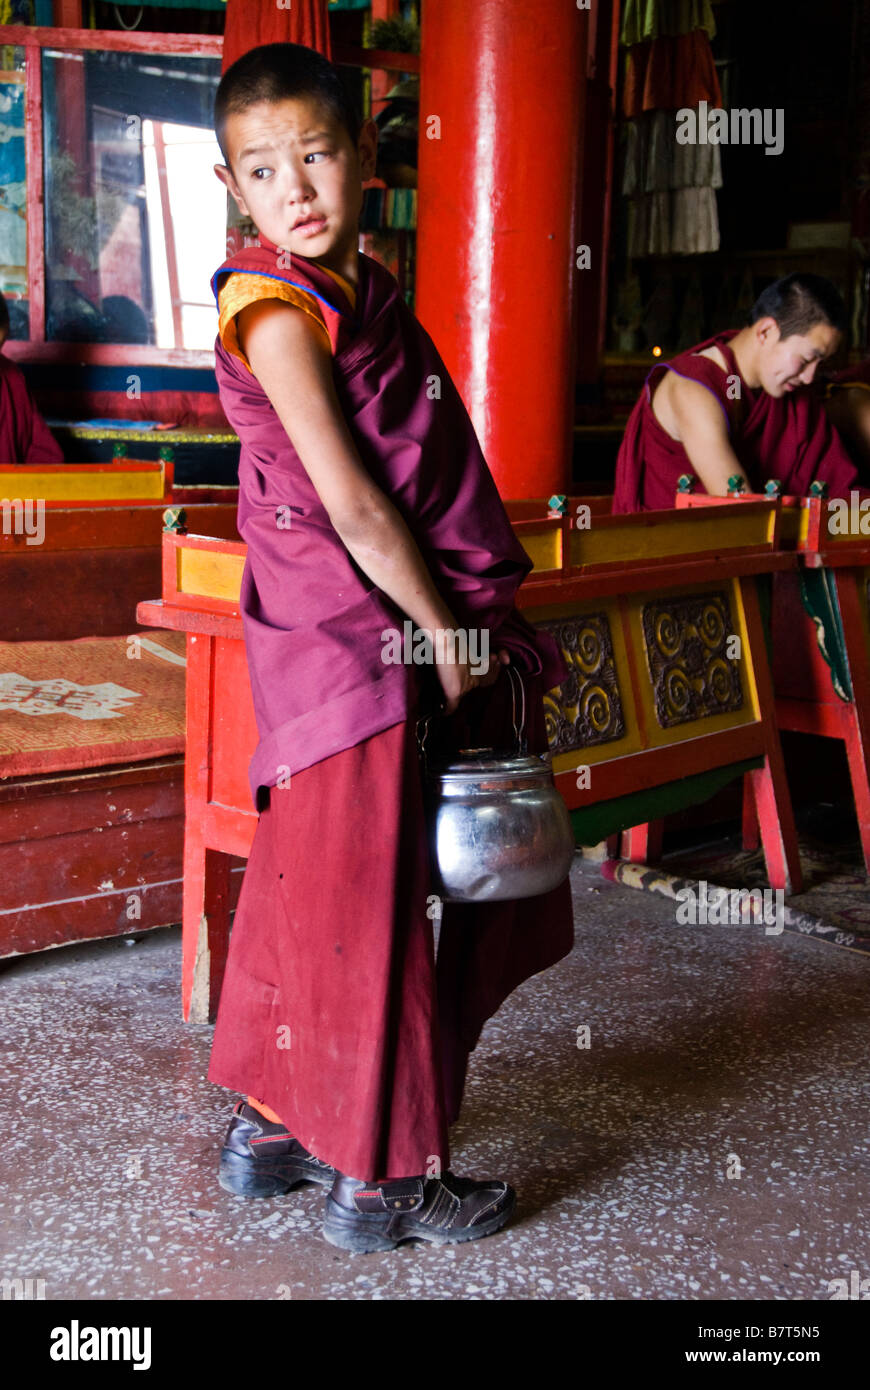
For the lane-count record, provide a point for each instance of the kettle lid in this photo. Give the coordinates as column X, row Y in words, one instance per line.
column 491, row 762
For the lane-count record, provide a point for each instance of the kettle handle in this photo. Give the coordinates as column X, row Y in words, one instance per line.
column 520, row 736
column 519, row 733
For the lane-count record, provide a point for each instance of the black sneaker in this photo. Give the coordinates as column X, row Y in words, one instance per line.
column 262, row 1159
column 364, row 1216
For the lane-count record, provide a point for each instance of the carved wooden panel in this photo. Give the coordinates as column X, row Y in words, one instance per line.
column 586, row 709
column 692, row 673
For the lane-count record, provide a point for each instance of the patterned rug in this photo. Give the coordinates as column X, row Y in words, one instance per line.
column 90, row 702
column 834, row 907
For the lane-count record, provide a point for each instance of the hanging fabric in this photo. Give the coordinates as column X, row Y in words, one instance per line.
column 670, row 187
column 248, row 26
column 670, row 73
column 647, row 19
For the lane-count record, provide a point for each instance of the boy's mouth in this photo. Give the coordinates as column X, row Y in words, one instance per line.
column 311, row 226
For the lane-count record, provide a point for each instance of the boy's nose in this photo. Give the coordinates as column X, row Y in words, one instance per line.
column 296, row 187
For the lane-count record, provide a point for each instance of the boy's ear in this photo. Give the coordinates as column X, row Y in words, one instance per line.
column 229, row 182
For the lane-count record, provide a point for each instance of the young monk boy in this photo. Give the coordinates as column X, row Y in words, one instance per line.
column 24, row 435
column 366, row 504
column 738, row 405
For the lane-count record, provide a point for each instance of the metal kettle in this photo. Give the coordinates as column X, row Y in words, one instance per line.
column 498, row 827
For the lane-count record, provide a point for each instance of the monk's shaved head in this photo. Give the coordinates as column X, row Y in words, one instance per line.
column 274, row 72
column 798, row 302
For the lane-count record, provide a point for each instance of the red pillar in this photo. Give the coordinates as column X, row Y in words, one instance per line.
column 501, row 96
column 382, row 81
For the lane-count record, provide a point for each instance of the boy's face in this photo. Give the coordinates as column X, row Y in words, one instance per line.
column 293, row 163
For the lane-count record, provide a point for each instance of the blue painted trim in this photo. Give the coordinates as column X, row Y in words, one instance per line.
column 233, row 270
column 95, row 377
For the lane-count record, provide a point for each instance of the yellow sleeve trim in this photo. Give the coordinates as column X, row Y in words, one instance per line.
column 239, row 289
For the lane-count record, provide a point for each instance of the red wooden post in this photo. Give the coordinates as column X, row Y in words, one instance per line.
column 168, row 235
column 751, row 837
column 768, row 783
column 382, row 79
column 500, row 121
column 34, row 174
column 642, row 844
column 205, row 910
column 856, row 716
column 67, row 14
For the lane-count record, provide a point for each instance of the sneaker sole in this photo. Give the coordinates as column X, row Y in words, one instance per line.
column 359, row 1233
column 238, row 1176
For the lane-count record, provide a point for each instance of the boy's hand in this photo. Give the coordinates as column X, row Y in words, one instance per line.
column 457, row 678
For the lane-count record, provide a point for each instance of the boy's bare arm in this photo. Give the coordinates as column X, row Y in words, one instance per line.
column 290, row 357
column 704, row 435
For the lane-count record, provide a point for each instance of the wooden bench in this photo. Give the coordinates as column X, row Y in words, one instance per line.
column 100, row 552
column 635, row 602
column 820, row 635
column 91, row 840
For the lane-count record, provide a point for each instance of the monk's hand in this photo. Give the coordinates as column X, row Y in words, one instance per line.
column 457, row 678
column 502, row 658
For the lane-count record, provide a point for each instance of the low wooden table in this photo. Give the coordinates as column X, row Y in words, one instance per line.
column 820, row 626
column 659, row 700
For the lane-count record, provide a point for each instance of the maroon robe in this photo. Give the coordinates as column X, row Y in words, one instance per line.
column 334, row 1011
column 307, row 608
column 24, row 435
column 789, row 438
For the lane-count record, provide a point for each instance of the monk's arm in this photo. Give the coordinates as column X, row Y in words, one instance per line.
column 703, row 434
column 35, row 441
column 290, row 357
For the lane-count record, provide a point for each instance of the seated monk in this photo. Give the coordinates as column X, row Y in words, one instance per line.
column 24, row 435
column 846, row 400
column 738, row 405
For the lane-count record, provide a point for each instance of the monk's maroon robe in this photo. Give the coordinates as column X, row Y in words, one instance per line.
column 312, row 619
column 332, row 947
column 789, row 438
column 24, row 435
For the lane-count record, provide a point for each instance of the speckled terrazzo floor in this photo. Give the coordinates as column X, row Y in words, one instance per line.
column 713, row 1051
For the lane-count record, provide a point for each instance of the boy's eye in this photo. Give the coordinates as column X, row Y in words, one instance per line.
column 318, row 154
column 255, row 173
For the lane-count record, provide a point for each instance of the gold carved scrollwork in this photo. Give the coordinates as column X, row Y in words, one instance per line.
column 586, row 709
column 687, row 652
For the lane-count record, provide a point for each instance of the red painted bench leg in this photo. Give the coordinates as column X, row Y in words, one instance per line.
column 857, row 731
column 751, row 836
column 857, row 747
column 642, row 844
column 205, row 928
column 769, row 783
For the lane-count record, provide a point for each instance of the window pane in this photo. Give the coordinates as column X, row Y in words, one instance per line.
column 13, row 193
column 135, row 219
